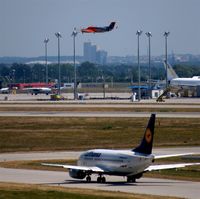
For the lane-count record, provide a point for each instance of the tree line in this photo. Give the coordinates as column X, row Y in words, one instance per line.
column 89, row 72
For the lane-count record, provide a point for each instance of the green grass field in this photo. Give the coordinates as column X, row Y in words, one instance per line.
column 16, row 191
column 43, row 134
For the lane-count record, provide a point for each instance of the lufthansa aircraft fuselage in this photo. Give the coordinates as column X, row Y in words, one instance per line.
column 116, row 162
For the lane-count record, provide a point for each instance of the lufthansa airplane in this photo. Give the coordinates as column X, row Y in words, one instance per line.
column 93, row 29
column 130, row 163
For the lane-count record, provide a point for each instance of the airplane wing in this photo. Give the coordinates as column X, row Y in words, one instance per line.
column 169, row 166
column 172, row 155
column 92, row 169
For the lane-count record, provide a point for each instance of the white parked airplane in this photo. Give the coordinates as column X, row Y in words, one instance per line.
column 4, row 90
column 39, row 90
column 130, row 163
column 175, row 81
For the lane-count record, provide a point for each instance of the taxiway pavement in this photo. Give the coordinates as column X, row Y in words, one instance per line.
column 53, row 155
column 97, row 105
column 98, row 114
column 162, row 187
column 40, row 99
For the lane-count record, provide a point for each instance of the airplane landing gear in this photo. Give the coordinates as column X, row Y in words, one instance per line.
column 101, row 179
column 131, row 179
column 88, row 179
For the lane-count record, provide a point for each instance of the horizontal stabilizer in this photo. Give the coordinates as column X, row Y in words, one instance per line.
column 169, row 166
column 172, row 155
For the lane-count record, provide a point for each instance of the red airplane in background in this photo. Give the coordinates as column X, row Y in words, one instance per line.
column 93, row 29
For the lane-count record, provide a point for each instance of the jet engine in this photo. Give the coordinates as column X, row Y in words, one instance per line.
column 139, row 175
column 78, row 174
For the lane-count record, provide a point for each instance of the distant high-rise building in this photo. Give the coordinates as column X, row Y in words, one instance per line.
column 87, row 51
column 91, row 53
column 101, row 57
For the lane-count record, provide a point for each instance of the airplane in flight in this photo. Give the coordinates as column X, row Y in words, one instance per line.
column 93, row 29
column 130, row 163
column 175, row 81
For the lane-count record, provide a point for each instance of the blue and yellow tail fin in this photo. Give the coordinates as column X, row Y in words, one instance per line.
column 147, row 142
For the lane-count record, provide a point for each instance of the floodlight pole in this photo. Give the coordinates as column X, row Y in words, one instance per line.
column 149, row 35
column 138, row 33
column 74, row 34
column 13, row 75
column 58, row 35
column 166, row 34
column 45, row 42
column 24, row 75
column 104, row 87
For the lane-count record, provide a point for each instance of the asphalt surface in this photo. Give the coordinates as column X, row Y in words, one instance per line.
column 49, row 155
column 163, row 187
column 102, row 105
column 41, row 98
column 98, row 114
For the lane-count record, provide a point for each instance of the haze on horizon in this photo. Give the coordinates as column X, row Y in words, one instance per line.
column 25, row 24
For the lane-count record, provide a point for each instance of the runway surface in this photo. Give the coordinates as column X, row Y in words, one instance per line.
column 98, row 114
column 98, row 105
column 49, row 155
column 163, row 187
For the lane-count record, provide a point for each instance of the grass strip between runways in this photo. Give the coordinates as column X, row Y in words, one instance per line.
column 22, row 191
column 51, row 134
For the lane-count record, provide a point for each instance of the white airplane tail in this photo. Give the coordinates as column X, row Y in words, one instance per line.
column 171, row 74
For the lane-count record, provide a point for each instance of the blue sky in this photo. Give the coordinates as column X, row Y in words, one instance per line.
column 25, row 23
